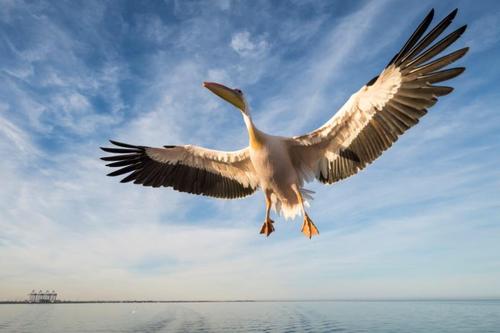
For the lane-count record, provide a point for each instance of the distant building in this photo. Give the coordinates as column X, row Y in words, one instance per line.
column 42, row 297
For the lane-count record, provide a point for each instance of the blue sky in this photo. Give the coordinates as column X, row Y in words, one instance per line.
column 421, row 222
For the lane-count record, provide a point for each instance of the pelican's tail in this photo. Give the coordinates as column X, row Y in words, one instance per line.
column 307, row 195
column 289, row 208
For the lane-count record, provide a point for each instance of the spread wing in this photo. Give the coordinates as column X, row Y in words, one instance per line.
column 186, row 168
column 382, row 110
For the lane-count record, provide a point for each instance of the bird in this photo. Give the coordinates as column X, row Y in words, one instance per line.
column 369, row 123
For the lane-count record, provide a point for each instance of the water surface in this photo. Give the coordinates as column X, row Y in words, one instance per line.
column 335, row 316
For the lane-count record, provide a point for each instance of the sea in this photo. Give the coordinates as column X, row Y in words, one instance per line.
column 323, row 316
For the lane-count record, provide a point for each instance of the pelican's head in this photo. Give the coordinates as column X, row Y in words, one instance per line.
column 233, row 96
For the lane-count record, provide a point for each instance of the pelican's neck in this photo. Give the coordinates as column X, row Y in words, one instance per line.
column 254, row 135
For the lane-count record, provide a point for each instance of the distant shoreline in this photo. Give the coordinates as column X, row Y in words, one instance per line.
column 257, row 301
column 104, row 302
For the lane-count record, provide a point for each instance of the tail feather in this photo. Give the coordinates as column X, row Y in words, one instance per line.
column 307, row 194
column 291, row 210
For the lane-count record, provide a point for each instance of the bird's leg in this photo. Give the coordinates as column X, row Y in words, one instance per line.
column 267, row 227
column 308, row 227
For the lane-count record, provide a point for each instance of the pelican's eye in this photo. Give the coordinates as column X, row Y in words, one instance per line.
column 238, row 91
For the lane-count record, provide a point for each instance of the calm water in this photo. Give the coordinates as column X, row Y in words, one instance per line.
column 428, row 317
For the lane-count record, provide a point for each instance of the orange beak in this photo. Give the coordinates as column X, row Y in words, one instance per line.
column 226, row 93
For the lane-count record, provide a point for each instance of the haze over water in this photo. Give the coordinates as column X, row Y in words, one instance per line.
column 335, row 316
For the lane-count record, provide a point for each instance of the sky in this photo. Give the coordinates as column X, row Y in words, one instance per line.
column 423, row 221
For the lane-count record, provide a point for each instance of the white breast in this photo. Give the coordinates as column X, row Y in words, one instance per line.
column 273, row 165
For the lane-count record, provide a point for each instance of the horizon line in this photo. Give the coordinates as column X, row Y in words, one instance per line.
column 428, row 299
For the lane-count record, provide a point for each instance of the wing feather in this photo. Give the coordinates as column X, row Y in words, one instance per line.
column 187, row 168
column 384, row 109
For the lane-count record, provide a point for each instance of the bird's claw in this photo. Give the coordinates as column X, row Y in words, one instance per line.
column 267, row 227
column 308, row 227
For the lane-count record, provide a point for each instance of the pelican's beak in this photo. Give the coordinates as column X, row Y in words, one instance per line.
column 226, row 93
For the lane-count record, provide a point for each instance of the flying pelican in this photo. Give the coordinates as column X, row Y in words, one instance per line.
column 369, row 122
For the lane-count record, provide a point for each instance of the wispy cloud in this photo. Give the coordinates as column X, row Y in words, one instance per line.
column 483, row 32
column 420, row 222
column 241, row 43
column 14, row 135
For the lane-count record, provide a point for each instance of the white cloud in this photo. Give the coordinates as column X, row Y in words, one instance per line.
column 241, row 43
column 223, row 4
column 52, row 63
column 153, row 29
column 423, row 207
column 218, row 75
column 15, row 135
column 312, row 81
column 484, row 33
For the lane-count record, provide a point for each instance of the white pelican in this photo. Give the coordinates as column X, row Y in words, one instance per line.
column 367, row 124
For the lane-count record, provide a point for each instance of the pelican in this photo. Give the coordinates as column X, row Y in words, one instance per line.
column 369, row 122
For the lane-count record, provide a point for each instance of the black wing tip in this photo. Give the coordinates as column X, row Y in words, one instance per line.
column 118, row 143
column 124, row 148
column 120, row 150
column 462, row 29
column 113, row 141
column 106, row 149
column 417, row 34
column 125, row 145
column 124, row 170
column 430, row 16
column 399, row 57
column 451, row 16
column 114, row 173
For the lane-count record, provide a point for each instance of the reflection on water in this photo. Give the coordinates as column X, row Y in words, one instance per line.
column 420, row 316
